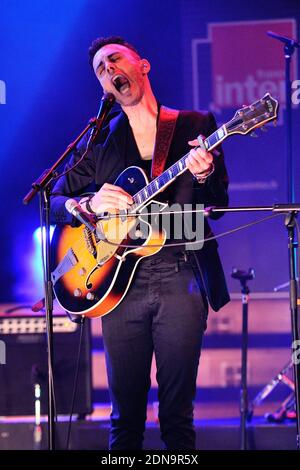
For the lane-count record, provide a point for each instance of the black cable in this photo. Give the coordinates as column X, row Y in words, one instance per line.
column 81, row 322
column 87, row 148
column 74, row 166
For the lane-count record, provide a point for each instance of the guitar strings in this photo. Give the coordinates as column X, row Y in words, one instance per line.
column 214, row 237
column 80, row 246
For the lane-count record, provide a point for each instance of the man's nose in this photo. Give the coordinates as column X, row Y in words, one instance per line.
column 110, row 69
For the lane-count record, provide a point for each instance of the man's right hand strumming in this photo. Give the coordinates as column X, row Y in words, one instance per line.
column 108, row 197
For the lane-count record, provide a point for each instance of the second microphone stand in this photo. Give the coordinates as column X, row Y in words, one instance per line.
column 243, row 277
column 291, row 211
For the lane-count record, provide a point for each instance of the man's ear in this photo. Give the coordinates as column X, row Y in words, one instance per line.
column 145, row 66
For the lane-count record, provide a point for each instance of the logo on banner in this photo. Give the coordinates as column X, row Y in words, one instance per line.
column 2, row 92
column 245, row 63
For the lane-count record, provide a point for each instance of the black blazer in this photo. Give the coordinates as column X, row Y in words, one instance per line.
column 106, row 161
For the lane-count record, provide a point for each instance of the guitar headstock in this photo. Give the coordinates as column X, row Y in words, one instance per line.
column 256, row 115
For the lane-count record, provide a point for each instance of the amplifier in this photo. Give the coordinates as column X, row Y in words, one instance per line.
column 23, row 337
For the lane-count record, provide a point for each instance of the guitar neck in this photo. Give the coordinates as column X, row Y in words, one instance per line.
column 168, row 176
column 244, row 121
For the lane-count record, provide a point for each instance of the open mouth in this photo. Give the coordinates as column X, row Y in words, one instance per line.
column 121, row 83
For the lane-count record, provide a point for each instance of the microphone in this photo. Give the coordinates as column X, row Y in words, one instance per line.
column 107, row 102
column 285, row 40
column 74, row 208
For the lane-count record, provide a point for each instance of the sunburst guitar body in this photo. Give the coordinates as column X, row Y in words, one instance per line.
column 91, row 272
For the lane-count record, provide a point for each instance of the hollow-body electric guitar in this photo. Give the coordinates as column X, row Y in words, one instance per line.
column 92, row 270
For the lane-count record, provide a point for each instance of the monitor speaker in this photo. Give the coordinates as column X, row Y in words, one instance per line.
column 23, row 339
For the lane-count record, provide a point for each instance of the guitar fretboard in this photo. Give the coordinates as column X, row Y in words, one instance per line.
column 244, row 121
column 159, row 183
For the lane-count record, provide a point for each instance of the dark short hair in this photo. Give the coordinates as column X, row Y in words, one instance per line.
column 100, row 42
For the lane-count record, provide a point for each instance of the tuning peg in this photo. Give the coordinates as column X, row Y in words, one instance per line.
column 253, row 134
column 275, row 122
column 264, row 129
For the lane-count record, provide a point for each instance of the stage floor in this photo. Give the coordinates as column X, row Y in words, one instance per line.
column 17, row 433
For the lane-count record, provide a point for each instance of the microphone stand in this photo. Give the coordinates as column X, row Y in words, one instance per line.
column 288, row 50
column 42, row 186
column 243, row 277
column 291, row 211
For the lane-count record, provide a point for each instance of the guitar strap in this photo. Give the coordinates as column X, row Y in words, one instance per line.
column 165, row 130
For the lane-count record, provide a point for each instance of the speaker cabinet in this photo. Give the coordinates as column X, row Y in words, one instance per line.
column 24, row 341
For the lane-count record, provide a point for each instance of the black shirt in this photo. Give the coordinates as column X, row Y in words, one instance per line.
column 133, row 158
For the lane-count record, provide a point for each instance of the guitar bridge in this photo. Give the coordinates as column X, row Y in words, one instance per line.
column 88, row 238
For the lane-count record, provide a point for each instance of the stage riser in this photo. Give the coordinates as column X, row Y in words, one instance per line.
column 218, row 368
column 94, row 436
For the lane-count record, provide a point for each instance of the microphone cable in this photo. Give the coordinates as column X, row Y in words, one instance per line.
column 79, row 321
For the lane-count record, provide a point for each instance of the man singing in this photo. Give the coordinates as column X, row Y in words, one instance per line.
column 165, row 309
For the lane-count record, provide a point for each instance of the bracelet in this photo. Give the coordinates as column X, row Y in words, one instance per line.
column 88, row 205
column 202, row 178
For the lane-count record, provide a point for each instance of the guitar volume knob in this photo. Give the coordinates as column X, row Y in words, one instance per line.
column 91, row 296
column 77, row 292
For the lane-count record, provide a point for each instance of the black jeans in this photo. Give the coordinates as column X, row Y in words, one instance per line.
column 163, row 312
